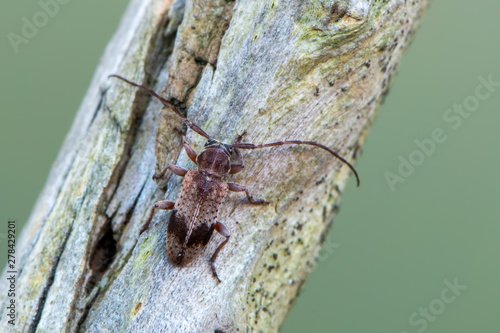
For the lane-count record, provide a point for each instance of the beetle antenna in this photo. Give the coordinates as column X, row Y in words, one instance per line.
column 165, row 103
column 297, row 142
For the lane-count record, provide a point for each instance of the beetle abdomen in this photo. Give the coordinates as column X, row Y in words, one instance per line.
column 181, row 248
column 194, row 217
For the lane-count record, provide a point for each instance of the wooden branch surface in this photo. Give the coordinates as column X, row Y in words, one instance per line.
column 311, row 70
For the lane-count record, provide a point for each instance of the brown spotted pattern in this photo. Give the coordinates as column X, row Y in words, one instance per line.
column 195, row 213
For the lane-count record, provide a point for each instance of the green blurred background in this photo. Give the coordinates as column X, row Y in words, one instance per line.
column 391, row 251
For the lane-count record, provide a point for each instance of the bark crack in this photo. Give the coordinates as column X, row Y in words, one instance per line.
column 100, row 264
column 50, row 281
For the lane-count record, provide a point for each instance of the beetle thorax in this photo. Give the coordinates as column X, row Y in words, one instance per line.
column 214, row 161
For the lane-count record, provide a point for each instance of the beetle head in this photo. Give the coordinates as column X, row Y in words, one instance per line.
column 215, row 159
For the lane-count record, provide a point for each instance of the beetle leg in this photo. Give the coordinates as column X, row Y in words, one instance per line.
column 175, row 169
column 163, row 205
column 238, row 139
column 189, row 150
column 240, row 188
column 221, row 229
column 237, row 167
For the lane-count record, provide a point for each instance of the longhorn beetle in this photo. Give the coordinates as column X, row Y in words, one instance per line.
column 194, row 216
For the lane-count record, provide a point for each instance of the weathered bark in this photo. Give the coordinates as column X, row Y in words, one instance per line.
column 311, row 70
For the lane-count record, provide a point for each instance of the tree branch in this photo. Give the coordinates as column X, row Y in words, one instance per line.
column 296, row 70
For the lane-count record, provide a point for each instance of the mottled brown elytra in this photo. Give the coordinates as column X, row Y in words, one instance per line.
column 194, row 216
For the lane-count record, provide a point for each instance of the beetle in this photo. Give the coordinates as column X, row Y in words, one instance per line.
column 194, row 216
